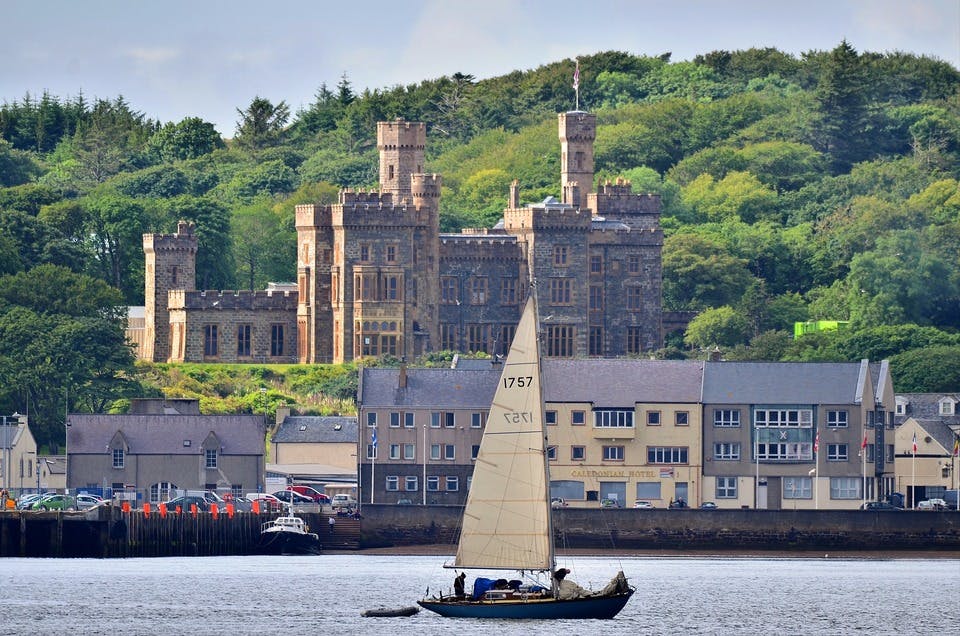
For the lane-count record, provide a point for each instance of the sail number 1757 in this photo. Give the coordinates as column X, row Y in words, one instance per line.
column 519, row 381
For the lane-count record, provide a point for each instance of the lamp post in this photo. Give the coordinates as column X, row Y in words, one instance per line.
column 7, row 450
column 756, row 459
column 425, row 455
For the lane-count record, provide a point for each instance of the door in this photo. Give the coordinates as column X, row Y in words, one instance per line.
column 681, row 492
column 762, row 494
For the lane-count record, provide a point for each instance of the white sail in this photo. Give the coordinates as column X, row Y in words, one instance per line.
column 506, row 522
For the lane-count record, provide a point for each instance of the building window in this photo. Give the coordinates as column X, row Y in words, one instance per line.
column 550, row 417
column 560, row 255
column 561, row 291
column 393, row 483
column 478, row 338
column 560, row 341
column 596, row 297
column 211, row 347
column 578, row 453
column 726, row 451
column 478, row 290
column 211, row 458
column 371, row 419
column 633, row 264
column 578, row 418
column 394, row 420
column 433, row 483
column 411, row 483
column 845, row 487
column 243, row 341
column 390, row 289
column 506, row 337
column 596, row 263
column 408, row 420
column 508, row 291
column 474, row 451
column 372, row 451
column 445, row 419
column 634, row 298
column 276, row 340
column 364, row 252
column 789, row 451
column 726, row 418
column 726, row 487
column 394, row 451
column 449, row 451
column 476, row 420
column 837, row 452
column 613, row 453
column 435, row 451
column 117, row 458
column 797, row 488
column 453, row 483
column 946, row 407
column 552, row 453
column 596, row 341
column 409, row 451
column 666, row 454
column 634, row 340
column 448, row 337
column 837, row 419
column 784, row 417
column 391, row 254
column 653, row 418
column 681, row 418
column 448, row 290
column 613, row 418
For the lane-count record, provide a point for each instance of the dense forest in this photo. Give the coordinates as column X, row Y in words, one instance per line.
column 823, row 186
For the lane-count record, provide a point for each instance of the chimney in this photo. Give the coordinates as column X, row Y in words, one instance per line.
column 514, row 202
column 715, row 355
column 402, row 383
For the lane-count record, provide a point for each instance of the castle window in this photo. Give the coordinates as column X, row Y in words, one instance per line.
column 448, row 290
column 596, row 297
column 634, row 340
column 173, row 274
column 634, row 298
column 391, row 287
column 390, row 172
column 506, row 337
column 560, row 255
column 633, row 264
column 327, row 255
column 561, row 291
column 365, row 252
column 365, row 287
column 388, row 345
column 596, row 264
column 596, row 341
column 243, row 341
column 276, row 340
column 211, row 347
column 560, row 341
column 448, row 336
column 391, row 253
column 478, row 290
column 508, row 291
column 478, row 338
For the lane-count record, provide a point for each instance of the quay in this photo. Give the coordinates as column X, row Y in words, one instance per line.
column 111, row 532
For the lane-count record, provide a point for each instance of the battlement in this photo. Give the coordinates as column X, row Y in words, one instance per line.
column 232, row 300
column 400, row 134
column 546, row 216
column 349, row 196
column 184, row 239
column 618, row 200
column 425, row 186
column 455, row 247
column 311, row 215
column 578, row 126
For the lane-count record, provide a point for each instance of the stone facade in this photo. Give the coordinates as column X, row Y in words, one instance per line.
column 376, row 277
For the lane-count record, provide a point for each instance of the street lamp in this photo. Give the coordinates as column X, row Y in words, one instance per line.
column 425, row 450
column 7, row 451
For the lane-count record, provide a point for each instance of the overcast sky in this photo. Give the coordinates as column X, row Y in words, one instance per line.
column 172, row 59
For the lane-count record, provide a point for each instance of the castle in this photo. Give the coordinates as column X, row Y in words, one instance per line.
column 376, row 277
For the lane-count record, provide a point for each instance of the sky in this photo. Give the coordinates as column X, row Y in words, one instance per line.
column 172, row 59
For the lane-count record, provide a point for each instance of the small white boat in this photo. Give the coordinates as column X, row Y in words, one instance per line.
column 287, row 535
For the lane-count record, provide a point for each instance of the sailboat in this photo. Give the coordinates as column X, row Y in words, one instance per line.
column 507, row 518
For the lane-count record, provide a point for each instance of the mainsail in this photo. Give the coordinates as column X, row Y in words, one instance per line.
column 506, row 522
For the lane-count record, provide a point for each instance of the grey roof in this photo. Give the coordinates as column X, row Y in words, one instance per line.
column 438, row 388
column 599, row 223
column 8, row 435
column 476, row 364
column 331, row 429
column 781, row 383
column 925, row 407
column 165, row 434
column 621, row 383
column 940, row 431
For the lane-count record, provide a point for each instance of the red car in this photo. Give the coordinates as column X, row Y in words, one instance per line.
column 307, row 491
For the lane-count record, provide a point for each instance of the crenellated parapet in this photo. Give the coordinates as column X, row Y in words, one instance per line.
column 183, row 241
column 311, row 215
column 233, row 300
column 494, row 247
column 547, row 216
column 617, row 200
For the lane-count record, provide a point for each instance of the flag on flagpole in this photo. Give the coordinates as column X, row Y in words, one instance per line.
column 914, row 443
column 956, row 447
column 576, row 76
column 864, row 444
column 373, row 440
column 816, row 444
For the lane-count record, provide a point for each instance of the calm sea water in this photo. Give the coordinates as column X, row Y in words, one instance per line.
column 325, row 595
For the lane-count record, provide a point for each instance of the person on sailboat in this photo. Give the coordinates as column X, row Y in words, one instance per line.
column 567, row 590
column 458, row 585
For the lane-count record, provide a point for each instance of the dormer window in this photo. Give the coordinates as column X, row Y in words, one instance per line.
column 211, row 458
column 303, row 427
column 187, row 443
column 118, row 458
column 947, row 406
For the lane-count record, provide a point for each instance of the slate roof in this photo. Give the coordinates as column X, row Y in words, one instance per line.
column 940, row 431
column 926, row 407
column 621, row 383
column 429, row 388
column 8, row 435
column 302, row 429
column 165, row 434
column 781, row 382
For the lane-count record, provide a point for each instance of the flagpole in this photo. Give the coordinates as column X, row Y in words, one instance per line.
column 863, row 458
column 373, row 464
column 913, row 478
column 576, row 84
column 816, row 474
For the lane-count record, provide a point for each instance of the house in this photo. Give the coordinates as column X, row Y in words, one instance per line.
column 165, row 445
column 320, row 451
column 18, row 454
column 932, row 422
column 822, row 433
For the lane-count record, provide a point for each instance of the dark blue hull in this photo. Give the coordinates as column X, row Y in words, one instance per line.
column 593, row 607
column 288, row 543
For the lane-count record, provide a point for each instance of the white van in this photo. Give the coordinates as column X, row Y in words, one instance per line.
column 343, row 501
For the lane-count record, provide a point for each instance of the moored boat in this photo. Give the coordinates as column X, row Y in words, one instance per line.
column 287, row 535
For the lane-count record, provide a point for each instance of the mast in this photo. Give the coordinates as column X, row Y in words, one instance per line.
column 543, row 427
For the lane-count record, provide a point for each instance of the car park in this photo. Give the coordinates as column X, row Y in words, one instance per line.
column 879, row 506
column 268, row 503
column 708, row 505
column 86, row 501
column 640, row 504
column 186, row 501
column 932, row 504
column 25, row 502
column 293, row 498
column 311, row 492
column 55, row 502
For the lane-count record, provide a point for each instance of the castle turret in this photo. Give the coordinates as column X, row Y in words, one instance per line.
column 401, row 145
column 578, row 130
column 171, row 264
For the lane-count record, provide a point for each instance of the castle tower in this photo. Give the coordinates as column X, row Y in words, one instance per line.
column 171, row 264
column 578, row 130
column 401, row 144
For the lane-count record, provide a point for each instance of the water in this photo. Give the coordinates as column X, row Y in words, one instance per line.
column 325, row 594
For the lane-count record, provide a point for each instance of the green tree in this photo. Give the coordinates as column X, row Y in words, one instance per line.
column 255, row 231
column 842, row 108
column 190, row 138
column 927, row 370
column 720, row 327
column 698, row 273
column 261, row 123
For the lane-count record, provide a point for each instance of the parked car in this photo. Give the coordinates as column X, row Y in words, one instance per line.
column 708, row 505
column 344, row 502
column 25, row 502
column 404, row 502
column 186, row 501
column 293, row 498
column 610, row 503
column 932, row 504
column 558, row 502
column 879, row 505
column 268, row 503
column 643, row 505
column 679, row 504
column 311, row 492
column 55, row 502
column 86, row 501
